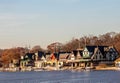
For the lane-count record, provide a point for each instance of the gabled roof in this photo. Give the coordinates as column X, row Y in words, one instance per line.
column 41, row 54
column 53, row 57
column 111, row 48
column 29, row 55
column 91, row 48
column 97, row 51
column 62, row 55
column 102, row 49
column 77, row 53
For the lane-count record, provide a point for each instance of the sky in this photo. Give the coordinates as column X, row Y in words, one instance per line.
column 42, row 22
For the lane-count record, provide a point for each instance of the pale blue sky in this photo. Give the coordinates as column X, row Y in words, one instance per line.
column 41, row 22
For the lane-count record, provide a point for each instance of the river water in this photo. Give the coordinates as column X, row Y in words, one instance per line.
column 60, row 77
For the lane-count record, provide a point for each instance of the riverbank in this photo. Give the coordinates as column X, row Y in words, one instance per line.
column 62, row 69
column 96, row 68
column 107, row 68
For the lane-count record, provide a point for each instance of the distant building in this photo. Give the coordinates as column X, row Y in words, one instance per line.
column 27, row 60
column 100, row 53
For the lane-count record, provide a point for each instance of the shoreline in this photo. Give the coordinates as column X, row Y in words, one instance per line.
column 67, row 68
column 97, row 68
column 108, row 68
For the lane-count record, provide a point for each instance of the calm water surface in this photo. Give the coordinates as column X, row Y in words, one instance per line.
column 61, row 77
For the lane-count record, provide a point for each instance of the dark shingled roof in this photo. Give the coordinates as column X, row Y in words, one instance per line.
column 40, row 54
column 92, row 48
column 102, row 49
column 29, row 55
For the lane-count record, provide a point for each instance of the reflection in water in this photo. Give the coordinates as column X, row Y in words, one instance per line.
column 60, row 77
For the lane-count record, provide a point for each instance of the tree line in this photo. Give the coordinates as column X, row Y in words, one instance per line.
column 108, row 39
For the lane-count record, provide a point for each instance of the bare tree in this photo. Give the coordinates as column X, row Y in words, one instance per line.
column 36, row 48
